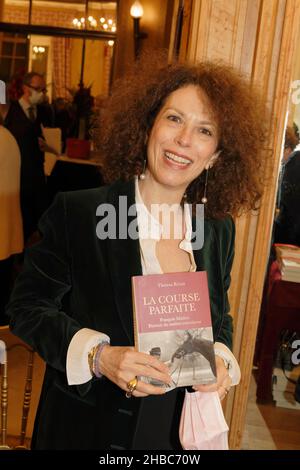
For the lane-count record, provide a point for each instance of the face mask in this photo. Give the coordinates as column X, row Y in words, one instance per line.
column 36, row 97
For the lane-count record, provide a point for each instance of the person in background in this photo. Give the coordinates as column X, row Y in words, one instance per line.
column 24, row 120
column 11, row 233
column 170, row 134
column 287, row 223
column 290, row 142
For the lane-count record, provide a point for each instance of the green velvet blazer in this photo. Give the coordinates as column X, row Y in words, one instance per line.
column 72, row 280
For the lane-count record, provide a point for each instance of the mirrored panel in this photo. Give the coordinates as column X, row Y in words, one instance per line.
column 75, row 14
column 67, row 62
column 16, row 11
column 100, row 16
column 13, row 55
column 78, row 14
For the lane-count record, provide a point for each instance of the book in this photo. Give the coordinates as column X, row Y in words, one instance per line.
column 172, row 321
column 290, row 265
column 290, row 277
column 288, row 258
column 287, row 251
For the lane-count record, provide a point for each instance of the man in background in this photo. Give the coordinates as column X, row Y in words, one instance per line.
column 287, row 223
column 24, row 120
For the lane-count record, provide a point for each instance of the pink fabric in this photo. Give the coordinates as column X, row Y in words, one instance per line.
column 202, row 424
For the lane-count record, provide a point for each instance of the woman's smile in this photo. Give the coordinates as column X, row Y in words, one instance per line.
column 179, row 160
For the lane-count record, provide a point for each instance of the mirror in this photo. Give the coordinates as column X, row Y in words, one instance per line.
column 64, row 56
column 65, row 62
column 61, row 13
column 13, row 54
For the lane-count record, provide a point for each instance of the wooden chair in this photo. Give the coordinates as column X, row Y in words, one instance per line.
column 19, row 442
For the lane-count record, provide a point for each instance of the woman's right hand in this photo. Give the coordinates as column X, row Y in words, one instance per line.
column 121, row 364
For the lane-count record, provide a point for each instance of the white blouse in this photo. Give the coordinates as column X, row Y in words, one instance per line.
column 150, row 232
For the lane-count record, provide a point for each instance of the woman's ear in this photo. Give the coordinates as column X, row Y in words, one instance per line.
column 213, row 160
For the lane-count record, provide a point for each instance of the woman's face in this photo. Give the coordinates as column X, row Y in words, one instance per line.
column 183, row 139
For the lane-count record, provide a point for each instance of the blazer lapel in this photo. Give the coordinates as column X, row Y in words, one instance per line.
column 123, row 254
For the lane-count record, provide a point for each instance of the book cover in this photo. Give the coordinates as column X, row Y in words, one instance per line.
column 172, row 321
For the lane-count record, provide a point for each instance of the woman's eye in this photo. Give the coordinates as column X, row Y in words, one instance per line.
column 205, row 131
column 173, row 118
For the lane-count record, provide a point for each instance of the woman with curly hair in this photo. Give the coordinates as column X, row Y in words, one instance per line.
column 170, row 134
column 235, row 180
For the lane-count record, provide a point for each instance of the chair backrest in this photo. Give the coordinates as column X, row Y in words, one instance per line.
column 4, row 387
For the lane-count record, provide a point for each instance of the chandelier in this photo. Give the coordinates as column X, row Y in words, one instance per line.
column 103, row 24
column 90, row 22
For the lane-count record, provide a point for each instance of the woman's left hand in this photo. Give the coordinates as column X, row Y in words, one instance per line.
column 223, row 383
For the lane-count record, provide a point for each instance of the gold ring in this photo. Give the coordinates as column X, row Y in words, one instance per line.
column 131, row 385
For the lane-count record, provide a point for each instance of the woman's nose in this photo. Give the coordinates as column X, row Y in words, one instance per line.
column 184, row 136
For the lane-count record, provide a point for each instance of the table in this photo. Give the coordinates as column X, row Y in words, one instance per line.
column 80, row 161
column 51, row 159
column 71, row 174
column 282, row 311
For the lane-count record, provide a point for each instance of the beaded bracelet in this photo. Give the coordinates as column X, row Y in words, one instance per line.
column 96, row 357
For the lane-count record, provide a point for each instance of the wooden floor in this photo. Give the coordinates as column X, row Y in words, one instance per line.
column 267, row 426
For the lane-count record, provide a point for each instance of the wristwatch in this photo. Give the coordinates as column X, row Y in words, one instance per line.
column 91, row 356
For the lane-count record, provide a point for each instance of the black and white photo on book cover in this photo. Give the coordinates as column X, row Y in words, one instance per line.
column 189, row 355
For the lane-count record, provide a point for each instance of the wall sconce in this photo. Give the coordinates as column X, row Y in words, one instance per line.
column 137, row 11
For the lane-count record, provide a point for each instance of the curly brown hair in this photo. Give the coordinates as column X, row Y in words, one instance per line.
column 235, row 180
